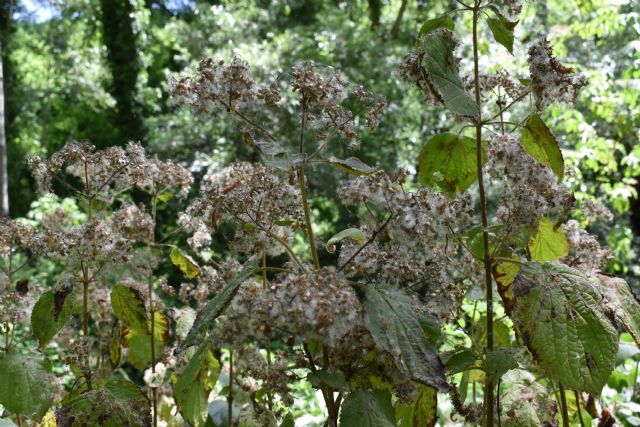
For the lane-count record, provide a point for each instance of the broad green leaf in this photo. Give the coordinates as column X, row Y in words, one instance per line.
column 459, row 361
column 501, row 33
column 364, row 408
column 138, row 342
column 425, row 407
column 165, row 196
column 117, row 403
column 288, row 421
column 500, row 360
column 128, row 306
column 524, row 402
column 50, row 314
column 624, row 304
column 450, row 162
column 352, row 165
column 549, row 243
column 504, row 274
column 560, row 315
column 475, row 240
column 354, row 234
column 115, row 351
column 216, row 306
column 539, row 143
column 192, row 389
column 184, row 262
column 25, row 386
column 331, row 378
column 443, row 21
column 442, row 73
column 396, row 327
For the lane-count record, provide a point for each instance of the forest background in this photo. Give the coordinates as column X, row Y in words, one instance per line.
column 97, row 70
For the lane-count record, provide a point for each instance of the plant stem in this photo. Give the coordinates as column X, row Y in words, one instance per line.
column 565, row 411
column 577, row 395
column 230, row 395
column 154, row 391
column 488, row 387
column 85, row 319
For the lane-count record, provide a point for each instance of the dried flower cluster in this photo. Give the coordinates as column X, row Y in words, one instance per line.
column 552, row 82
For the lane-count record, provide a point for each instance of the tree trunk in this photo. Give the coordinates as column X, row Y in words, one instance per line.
column 375, row 10
column 122, row 56
column 395, row 30
column 6, row 11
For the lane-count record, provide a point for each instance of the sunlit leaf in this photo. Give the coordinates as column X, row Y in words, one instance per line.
column 354, row 234
column 50, row 314
column 25, row 386
column 549, row 243
column 128, row 306
column 364, row 408
column 539, row 143
column 184, row 262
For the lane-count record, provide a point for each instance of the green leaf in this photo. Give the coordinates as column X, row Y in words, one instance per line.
column 331, row 378
column 459, row 361
column 184, row 262
column 396, row 327
column 501, row 360
column 138, row 342
column 524, row 402
column 354, row 234
column 443, row 21
column 352, row 165
column 50, row 314
column 216, row 306
column 561, row 318
column 26, row 388
column 364, row 408
column 539, row 143
column 128, row 306
column 288, row 421
column 442, row 73
column 549, row 243
column 192, row 389
column 425, row 407
column 117, row 403
column 449, row 162
column 624, row 304
column 165, row 196
column 115, row 351
column 501, row 32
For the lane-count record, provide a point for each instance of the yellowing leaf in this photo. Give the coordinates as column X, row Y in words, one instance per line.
column 354, row 234
column 549, row 243
column 538, row 141
column 184, row 262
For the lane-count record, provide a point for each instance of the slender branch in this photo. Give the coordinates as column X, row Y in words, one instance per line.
column 509, row 105
column 154, row 391
column 565, row 410
column 230, row 395
column 488, row 386
column 367, row 243
column 578, row 410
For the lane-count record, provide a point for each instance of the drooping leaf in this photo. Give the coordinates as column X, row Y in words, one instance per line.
column 425, row 407
column 622, row 301
column 560, row 316
column 500, row 360
column 128, row 306
column 328, row 377
column 549, row 243
column 117, row 403
column 184, row 262
column 354, row 234
column 450, row 162
column 364, row 408
column 50, row 314
column 538, row 141
column 192, row 389
column 352, row 165
column 443, row 21
column 25, row 386
column 442, row 73
column 138, row 342
column 458, row 361
column 525, row 402
column 396, row 327
column 115, row 350
column 501, row 32
column 216, row 306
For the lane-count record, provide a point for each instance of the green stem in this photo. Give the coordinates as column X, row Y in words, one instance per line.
column 488, row 387
column 85, row 320
column 307, row 217
column 577, row 396
column 565, row 410
column 154, row 392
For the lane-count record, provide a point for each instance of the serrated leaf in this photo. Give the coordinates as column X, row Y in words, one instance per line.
column 396, row 327
column 622, row 301
column 443, row 21
column 354, row 234
column 115, row 351
column 449, row 162
column 524, row 402
column 442, row 73
column 50, row 314
column 184, row 262
column 538, row 141
column 501, row 33
column 364, row 408
column 549, row 243
column 560, row 316
column 352, row 165
column 26, row 388
column 425, row 407
column 192, row 389
column 128, row 306
column 216, row 306
column 138, row 342
column 117, row 403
